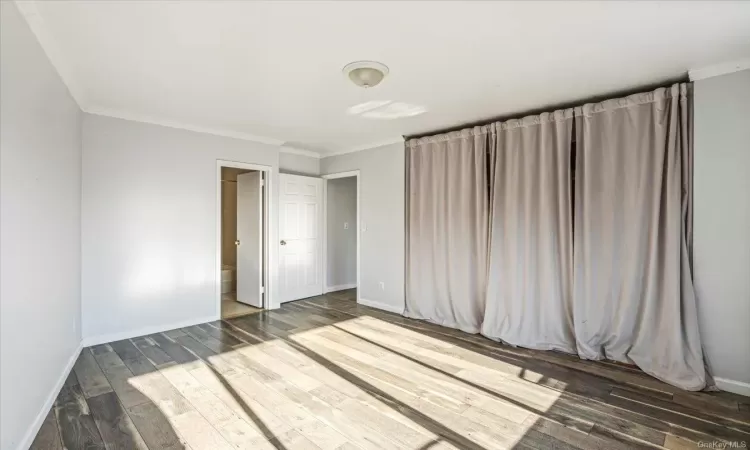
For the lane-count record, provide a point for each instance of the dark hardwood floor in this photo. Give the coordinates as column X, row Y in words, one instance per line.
column 328, row 373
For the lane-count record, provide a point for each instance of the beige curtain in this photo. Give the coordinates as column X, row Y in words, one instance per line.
column 447, row 228
column 530, row 274
column 633, row 293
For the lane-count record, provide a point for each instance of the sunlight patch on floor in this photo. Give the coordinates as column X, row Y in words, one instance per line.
column 310, row 387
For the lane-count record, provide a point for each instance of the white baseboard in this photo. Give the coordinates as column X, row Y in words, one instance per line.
column 380, row 305
column 105, row 338
column 736, row 387
column 340, row 287
column 28, row 438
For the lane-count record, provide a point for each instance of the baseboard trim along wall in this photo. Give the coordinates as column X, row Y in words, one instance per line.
column 31, row 433
column 105, row 338
column 340, row 287
column 733, row 386
column 380, row 305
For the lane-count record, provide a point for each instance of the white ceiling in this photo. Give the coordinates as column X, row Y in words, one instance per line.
column 273, row 70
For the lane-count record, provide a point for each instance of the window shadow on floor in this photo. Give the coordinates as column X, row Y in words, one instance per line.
column 161, row 390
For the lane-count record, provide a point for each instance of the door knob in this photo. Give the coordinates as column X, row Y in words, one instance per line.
column 283, row 242
column 237, row 242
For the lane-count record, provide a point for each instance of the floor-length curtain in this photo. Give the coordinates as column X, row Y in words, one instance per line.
column 633, row 293
column 531, row 238
column 447, row 228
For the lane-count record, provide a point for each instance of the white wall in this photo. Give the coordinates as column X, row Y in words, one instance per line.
column 298, row 164
column 722, row 225
column 382, row 214
column 40, row 229
column 341, row 255
column 149, row 224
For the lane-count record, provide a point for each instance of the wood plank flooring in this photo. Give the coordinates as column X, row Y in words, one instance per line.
column 326, row 373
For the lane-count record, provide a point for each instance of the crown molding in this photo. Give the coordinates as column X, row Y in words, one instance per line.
column 183, row 126
column 716, row 70
column 30, row 13
column 34, row 19
column 299, row 151
column 200, row 129
column 369, row 146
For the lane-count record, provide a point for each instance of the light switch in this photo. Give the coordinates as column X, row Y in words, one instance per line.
column 364, row 226
column 346, row 225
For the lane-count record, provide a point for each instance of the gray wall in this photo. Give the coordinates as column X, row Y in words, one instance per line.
column 149, row 224
column 40, row 229
column 298, row 164
column 722, row 222
column 382, row 220
column 341, row 204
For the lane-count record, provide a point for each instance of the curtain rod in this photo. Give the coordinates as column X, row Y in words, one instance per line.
column 554, row 107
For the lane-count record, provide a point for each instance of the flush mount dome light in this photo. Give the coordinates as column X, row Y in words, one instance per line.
column 366, row 74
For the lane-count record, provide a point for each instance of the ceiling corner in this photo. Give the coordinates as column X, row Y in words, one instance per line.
column 183, row 126
column 30, row 12
column 701, row 73
column 398, row 140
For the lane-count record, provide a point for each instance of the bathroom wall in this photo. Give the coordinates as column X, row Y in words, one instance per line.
column 229, row 214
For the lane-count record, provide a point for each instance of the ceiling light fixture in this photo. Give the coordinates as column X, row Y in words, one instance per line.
column 366, row 74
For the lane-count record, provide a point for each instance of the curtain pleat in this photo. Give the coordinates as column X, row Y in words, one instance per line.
column 633, row 293
column 529, row 300
column 497, row 243
column 447, row 229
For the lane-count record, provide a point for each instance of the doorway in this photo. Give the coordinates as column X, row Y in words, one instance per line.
column 342, row 235
column 243, row 212
column 301, row 236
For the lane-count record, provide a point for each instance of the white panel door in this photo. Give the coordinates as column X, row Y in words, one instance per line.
column 300, row 234
column 250, row 239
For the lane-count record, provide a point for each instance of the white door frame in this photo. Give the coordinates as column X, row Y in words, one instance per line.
column 267, row 178
column 351, row 173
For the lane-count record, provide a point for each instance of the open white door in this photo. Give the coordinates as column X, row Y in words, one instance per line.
column 300, row 234
column 250, row 239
